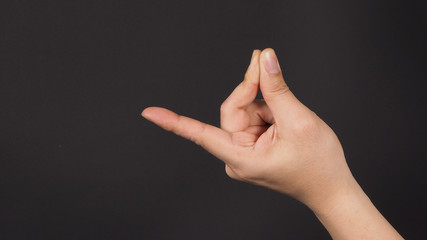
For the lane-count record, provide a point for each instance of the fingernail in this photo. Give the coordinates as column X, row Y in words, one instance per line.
column 271, row 63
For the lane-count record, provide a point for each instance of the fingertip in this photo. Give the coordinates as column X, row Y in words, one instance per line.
column 254, row 58
column 146, row 113
column 270, row 62
column 265, row 53
column 253, row 66
column 255, row 52
column 267, row 50
column 157, row 114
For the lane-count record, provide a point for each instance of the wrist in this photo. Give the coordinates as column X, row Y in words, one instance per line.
column 350, row 214
column 348, row 195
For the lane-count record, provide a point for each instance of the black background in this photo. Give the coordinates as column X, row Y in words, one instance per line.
column 78, row 162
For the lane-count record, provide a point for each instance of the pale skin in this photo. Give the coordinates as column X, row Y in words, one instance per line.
column 280, row 144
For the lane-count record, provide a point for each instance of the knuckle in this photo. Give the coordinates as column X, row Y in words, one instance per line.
column 307, row 126
column 224, row 107
column 248, row 81
column 246, row 77
column 279, row 88
column 198, row 139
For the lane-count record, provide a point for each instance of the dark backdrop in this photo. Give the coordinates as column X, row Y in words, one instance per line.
column 78, row 162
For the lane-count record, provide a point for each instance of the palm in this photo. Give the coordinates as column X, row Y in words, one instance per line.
column 248, row 126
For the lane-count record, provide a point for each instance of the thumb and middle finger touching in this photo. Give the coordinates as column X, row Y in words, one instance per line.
column 280, row 106
column 263, row 73
column 234, row 117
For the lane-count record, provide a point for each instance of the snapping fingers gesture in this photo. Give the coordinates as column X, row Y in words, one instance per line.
column 279, row 143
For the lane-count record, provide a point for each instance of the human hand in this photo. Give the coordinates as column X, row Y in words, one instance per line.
column 280, row 144
column 277, row 143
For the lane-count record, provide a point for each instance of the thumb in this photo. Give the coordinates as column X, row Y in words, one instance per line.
column 282, row 103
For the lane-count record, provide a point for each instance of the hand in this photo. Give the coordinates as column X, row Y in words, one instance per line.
column 277, row 143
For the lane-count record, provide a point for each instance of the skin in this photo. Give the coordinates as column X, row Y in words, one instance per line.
column 280, row 144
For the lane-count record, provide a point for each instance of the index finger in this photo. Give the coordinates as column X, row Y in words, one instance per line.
column 215, row 140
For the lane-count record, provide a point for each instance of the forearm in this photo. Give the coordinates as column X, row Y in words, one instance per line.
column 352, row 215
